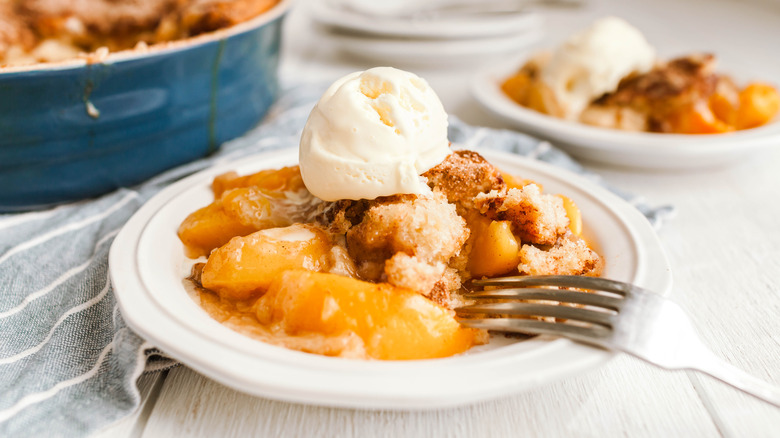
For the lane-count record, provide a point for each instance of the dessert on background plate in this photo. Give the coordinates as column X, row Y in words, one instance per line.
column 33, row 31
column 361, row 250
column 608, row 75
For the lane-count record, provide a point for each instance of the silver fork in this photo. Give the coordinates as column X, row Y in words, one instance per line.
column 613, row 315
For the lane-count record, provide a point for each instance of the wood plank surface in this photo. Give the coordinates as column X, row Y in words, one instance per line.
column 624, row 397
column 132, row 426
column 724, row 246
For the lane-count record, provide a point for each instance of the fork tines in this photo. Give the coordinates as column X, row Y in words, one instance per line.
column 545, row 305
column 559, row 295
column 544, row 310
column 572, row 281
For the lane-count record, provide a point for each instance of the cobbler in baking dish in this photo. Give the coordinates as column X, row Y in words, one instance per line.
column 33, row 31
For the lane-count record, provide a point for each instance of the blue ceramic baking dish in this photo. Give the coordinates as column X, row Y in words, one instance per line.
column 78, row 129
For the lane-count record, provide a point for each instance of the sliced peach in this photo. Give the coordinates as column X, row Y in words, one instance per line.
column 495, row 250
column 758, row 104
column 513, row 182
column 698, row 119
column 724, row 108
column 286, row 178
column 516, row 87
column 477, row 224
column 536, row 100
column 208, row 228
column 574, row 215
column 246, row 266
column 257, row 207
column 225, row 182
column 394, row 323
column 244, row 204
column 724, row 101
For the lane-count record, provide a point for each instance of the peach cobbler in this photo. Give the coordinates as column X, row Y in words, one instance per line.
column 373, row 273
column 52, row 30
column 608, row 76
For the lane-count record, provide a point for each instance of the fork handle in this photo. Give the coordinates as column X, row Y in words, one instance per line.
column 733, row 376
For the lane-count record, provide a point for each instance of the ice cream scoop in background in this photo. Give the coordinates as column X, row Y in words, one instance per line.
column 372, row 134
column 592, row 62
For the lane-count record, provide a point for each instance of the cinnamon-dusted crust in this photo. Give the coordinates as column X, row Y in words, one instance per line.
column 662, row 91
column 676, row 82
column 568, row 256
column 462, row 176
column 536, row 218
column 408, row 241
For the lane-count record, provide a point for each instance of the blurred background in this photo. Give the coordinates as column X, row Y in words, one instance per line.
column 78, row 130
column 448, row 41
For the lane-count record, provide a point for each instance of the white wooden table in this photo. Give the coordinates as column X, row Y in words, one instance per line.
column 723, row 245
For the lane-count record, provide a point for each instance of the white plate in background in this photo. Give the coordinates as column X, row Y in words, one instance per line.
column 425, row 25
column 400, row 51
column 631, row 149
column 147, row 268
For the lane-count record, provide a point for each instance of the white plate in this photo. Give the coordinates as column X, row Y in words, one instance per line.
column 442, row 26
column 633, row 149
column 147, row 266
column 399, row 51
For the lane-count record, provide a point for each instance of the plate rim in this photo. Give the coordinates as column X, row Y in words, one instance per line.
column 126, row 281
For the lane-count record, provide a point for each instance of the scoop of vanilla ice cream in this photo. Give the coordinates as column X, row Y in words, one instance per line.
column 593, row 62
column 372, row 134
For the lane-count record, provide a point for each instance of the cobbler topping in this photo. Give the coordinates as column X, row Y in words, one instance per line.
column 462, row 176
column 537, row 218
column 407, row 241
column 568, row 256
column 659, row 93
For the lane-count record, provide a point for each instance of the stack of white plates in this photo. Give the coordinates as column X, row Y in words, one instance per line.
column 428, row 32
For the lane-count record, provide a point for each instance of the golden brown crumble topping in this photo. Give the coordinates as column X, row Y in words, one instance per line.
column 407, row 240
column 462, row 176
column 569, row 256
column 669, row 86
column 537, row 218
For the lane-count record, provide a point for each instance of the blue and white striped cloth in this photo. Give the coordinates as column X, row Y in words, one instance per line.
column 68, row 362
